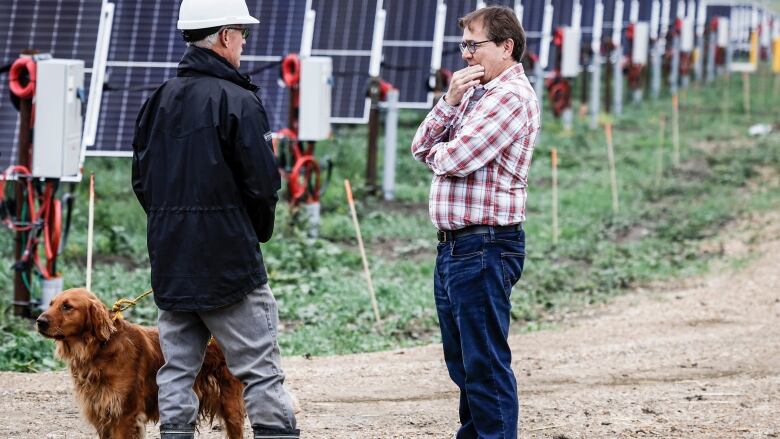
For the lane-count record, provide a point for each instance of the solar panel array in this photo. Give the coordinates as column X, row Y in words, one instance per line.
column 66, row 29
column 146, row 48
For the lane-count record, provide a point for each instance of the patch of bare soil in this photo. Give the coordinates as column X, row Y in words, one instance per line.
column 694, row 359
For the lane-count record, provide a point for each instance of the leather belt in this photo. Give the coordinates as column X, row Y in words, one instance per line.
column 451, row 235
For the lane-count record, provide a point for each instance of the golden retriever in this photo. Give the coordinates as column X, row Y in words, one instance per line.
column 114, row 366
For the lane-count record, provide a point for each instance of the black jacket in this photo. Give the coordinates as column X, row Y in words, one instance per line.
column 205, row 173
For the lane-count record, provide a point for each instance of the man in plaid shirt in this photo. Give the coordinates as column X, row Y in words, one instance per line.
column 478, row 141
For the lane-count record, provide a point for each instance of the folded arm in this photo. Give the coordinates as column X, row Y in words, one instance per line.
column 493, row 125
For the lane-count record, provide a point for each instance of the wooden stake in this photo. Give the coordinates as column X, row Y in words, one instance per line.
column 746, row 92
column 554, row 154
column 765, row 78
column 659, row 170
column 90, row 230
column 727, row 100
column 612, row 171
column 367, row 272
column 676, row 130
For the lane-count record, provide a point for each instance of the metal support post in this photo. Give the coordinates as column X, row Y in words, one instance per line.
column 373, row 136
column 712, row 47
column 655, row 83
column 21, row 292
column 674, row 73
column 539, row 84
column 595, row 92
column 391, row 140
column 617, row 69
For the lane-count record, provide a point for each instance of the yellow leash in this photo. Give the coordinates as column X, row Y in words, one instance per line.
column 124, row 304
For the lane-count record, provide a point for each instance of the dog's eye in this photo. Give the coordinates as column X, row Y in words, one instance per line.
column 66, row 306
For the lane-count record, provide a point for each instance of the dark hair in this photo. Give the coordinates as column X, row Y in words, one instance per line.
column 500, row 24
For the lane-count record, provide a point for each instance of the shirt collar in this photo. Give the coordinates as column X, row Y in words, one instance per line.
column 510, row 73
column 507, row 75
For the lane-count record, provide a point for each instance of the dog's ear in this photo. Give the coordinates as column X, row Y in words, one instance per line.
column 102, row 325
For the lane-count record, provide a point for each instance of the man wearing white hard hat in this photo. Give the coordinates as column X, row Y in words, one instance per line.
column 205, row 173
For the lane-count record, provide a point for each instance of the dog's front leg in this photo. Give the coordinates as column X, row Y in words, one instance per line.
column 105, row 432
column 128, row 427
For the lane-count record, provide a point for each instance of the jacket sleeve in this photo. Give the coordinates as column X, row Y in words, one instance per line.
column 254, row 167
column 139, row 145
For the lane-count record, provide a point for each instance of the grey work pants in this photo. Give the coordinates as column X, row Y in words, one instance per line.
column 246, row 333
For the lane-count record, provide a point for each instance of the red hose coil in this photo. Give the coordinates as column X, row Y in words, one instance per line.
column 15, row 75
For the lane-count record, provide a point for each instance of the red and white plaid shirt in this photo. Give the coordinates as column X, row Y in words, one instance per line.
column 480, row 153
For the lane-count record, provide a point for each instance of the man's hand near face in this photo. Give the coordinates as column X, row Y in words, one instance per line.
column 462, row 80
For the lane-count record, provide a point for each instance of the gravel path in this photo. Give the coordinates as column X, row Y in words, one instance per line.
column 697, row 358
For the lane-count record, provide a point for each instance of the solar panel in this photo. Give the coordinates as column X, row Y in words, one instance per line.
column 451, row 58
column 343, row 30
column 146, row 48
column 406, row 61
column 609, row 15
column 533, row 18
column 624, row 25
column 507, row 3
column 586, row 25
column 64, row 28
column 562, row 13
column 719, row 10
column 645, row 10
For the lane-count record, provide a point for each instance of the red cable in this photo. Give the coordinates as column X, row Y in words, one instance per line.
column 50, row 212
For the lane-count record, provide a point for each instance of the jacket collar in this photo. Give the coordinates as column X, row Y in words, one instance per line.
column 198, row 61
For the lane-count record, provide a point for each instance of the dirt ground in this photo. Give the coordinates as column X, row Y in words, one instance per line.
column 696, row 358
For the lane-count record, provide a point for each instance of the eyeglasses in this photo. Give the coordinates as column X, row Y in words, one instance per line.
column 244, row 31
column 471, row 46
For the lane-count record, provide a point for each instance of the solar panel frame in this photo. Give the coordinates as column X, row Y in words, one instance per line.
column 609, row 14
column 533, row 16
column 340, row 34
column 451, row 57
column 44, row 23
column 586, row 23
column 407, row 50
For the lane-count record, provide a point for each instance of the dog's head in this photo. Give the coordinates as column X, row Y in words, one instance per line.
column 76, row 314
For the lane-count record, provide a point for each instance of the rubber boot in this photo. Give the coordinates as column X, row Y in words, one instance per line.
column 275, row 433
column 177, row 431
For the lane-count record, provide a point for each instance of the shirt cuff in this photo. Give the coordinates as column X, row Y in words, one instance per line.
column 443, row 111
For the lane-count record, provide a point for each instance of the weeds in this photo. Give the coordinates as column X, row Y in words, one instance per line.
column 323, row 300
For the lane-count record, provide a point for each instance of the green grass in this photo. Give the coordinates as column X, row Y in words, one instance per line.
column 319, row 284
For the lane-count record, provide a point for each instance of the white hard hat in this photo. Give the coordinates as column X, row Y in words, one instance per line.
column 200, row 14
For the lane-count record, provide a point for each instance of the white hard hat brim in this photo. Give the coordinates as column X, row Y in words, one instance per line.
column 222, row 21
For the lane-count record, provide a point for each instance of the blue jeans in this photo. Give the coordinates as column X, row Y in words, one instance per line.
column 472, row 284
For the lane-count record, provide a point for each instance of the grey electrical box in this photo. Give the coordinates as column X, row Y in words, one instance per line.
column 570, row 57
column 315, row 91
column 58, row 121
column 723, row 32
column 686, row 40
column 640, row 43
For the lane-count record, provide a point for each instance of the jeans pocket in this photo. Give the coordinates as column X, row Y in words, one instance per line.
column 512, row 268
column 467, row 247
